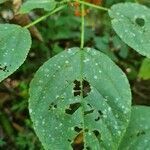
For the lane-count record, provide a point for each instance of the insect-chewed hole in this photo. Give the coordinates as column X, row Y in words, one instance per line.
column 141, row 133
column 100, row 115
column 97, row 134
column 85, row 88
column 88, row 112
column 72, row 108
column 98, row 118
column 77, row 85
column 100, row 112
column 76, row 93
column 77, row 88
column 52, row 105
column 140, row 22
column 78, row 143
column 77, row 129
column 89, row 105
column 4, row 68
column 88, row 148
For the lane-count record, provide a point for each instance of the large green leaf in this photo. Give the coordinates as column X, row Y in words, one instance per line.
column 80, row 93
column 138, row 133
column 15, row 43
column 29, row 5
column 145, row 69
column 132, row 23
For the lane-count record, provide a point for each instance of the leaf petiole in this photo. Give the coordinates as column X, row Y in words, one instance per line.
column 92, row 5
column 82, row 26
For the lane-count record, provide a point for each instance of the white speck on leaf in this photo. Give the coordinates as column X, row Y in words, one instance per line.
column 95, row 77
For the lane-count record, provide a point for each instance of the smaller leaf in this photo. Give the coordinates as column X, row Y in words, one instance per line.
column 138, row 131
column 15, row 43
column 132, row 23
column 145, row 69
column 29, row 5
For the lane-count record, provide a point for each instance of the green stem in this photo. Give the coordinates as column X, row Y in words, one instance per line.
column 82, row 26
column 44, row 17
column 92, row 5
column 86, row 4
column 81, row 71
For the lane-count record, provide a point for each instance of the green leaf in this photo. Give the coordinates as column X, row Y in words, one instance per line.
column 102, row 44
column 80, row 95
column 29, row 5
column 138, row 132
column 3, row 1
column 15, row 43
column 132, row 23
column 145, row 69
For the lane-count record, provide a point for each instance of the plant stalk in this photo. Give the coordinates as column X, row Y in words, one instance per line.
column 92, row 5
column 44, row 17
column 82, row 26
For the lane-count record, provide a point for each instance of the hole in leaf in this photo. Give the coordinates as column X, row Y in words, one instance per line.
column 77, row 85
column 97, row 118
column 72, row 108
column 89, row 105
column 76, row 93
column 77, row 88
column 140, row 22
column 52, row 105
column 97, row 134
column 85, row 86
column 88, row 148
column 69, row 140
column 88, row 112
column 3, row 68
column 100, row 112
column 140, row 133
column 77, row 129
column 78, row 143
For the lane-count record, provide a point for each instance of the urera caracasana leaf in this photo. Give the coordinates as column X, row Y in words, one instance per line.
column 15, row 43
column 29, row 5
column 131, row 21
column 80, row 93
column 138, row 131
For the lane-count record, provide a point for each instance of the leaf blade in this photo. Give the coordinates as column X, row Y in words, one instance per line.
column 138, row 131
column 29, row 5
column 55, row 94
column 15, row 43
column 131, row 22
